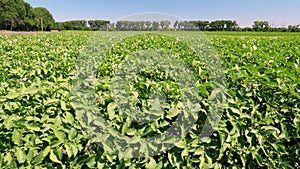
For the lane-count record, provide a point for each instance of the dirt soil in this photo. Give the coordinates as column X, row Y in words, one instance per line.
column 19, row 33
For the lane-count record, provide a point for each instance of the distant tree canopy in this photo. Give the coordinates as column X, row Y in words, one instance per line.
column 294, row 28
column 98, row 24
column 219, row 25
column 18, row 15
column 261, row 26
column 72, row 25
column 45, row 18
column 138, row 25
column 84, row 25
column 196, row 25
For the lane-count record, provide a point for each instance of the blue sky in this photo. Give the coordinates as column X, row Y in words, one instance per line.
column 277, row 12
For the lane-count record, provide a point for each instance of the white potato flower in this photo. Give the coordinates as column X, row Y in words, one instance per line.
column 24, row 79
column 255, row 85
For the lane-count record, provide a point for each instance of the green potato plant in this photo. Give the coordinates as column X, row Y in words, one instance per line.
column 260, row 127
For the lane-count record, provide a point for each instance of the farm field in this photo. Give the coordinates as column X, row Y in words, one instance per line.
column 259, row 128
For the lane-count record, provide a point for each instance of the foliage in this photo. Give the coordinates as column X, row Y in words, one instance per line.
column 98, row 24
column 192, row 25
column 72, row 25
column 259, row 129
column 45, row 18
column 83, row 25
column 18, row 15
column 261, row 26
column 294, row 28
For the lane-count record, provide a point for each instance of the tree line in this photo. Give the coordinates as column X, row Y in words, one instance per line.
column 218, row 25
column 17, row 15
column 84, row 25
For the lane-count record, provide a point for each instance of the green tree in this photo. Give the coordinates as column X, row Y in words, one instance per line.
column 148, row 25
column 294, row 28
column 31, row 22
column 155, row 25
column 202, row 25
column 18, row 15
column 230, row 25
column 165, row 24
column 12, row 14
column 99, row 24
column 176, row 24
column 261, row 26
column 45, row 18
column 59, row 26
